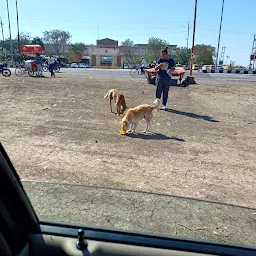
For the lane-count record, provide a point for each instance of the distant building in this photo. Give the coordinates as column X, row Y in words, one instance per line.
column 107, row 52
column 51, row 49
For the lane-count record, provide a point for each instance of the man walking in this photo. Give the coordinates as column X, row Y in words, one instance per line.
column 51, row 63
column 163, row 80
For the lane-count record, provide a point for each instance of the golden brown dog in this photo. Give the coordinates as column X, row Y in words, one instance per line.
column 119, row 100
column 131, row 119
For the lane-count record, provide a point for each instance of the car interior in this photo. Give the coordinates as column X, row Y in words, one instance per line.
column 23, row 234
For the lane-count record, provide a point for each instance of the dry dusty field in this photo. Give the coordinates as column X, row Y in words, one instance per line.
column 61, row 129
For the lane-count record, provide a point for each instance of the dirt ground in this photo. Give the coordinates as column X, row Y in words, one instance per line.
column 61, row 129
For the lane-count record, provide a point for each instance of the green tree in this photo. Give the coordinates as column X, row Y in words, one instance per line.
column 154, row 47
column 204, row 54
column 38, row 40
column 24, row 39
column 58, row 38
column 182, row 56
column 136, row 60
column 78, row 47
column 127, row 50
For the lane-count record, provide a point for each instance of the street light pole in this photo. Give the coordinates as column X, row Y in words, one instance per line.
column 7, row 5
column 217, row 54
column 193, row 40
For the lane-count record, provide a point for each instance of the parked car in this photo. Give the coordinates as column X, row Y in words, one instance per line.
column 74, row 65
column 82, row 65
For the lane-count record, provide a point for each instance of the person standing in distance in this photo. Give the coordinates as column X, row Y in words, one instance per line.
column 51, row 63
column 143, row 66
column 39, row 65
column 163, row 80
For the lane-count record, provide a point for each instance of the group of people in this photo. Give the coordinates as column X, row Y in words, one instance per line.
column 165, row 65
column 39, row 66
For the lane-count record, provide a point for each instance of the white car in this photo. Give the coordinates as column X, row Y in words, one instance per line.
column 74, row 65
column 82, row 65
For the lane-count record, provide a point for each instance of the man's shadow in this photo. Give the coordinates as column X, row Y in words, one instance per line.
column 193, row 115
column 152, row 136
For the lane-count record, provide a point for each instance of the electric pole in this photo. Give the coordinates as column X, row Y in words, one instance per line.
column 222, row 56
column 11, row 52
column 2, row 27
column 253, row 54
column 187, row 45
column 188, row 35
column 18, row 29
column 193, row 40
column 217, row 55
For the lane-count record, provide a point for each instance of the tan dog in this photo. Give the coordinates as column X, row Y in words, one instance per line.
column 119, row 100
column 131, row 119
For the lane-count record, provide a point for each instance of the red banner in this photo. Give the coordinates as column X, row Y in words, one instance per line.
column 32, row 49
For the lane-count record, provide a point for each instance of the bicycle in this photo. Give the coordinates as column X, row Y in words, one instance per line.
column 20, row 70
column 136, row 71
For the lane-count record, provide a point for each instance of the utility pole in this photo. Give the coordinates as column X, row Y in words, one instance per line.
column 253, row 54
column 217, row 55
column 188, row 35
column 18, row 29
column 2, row 27
column 7, row 5
column 187, row 44
column 193, row 40
column 222, row 56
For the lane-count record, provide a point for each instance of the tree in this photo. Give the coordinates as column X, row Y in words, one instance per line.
column 204, row 54
column 38, row 40
column 182, row 56
column 154, row 47
column 78, row 47
column 24, row 39
column 127, row 50
column 58, row 38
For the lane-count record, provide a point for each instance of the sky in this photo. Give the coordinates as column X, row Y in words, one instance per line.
column 88, row 21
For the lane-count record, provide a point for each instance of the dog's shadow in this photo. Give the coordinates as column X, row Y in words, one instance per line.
column 152, row 136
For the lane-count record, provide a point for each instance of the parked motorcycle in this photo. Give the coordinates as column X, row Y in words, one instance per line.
column 4, row 70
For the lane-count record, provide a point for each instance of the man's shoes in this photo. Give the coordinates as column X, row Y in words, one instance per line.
column 163, row 107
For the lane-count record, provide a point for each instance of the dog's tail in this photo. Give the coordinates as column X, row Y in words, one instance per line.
column 107, row 94
column 156, row 104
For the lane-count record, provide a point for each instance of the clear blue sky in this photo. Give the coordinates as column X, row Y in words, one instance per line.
column 138, row 20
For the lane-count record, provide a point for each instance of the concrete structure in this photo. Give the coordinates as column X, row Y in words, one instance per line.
column 107, row 52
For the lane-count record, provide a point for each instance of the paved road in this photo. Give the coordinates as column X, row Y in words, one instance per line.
column 126, row 73
column 233, row 77
column 98, row 72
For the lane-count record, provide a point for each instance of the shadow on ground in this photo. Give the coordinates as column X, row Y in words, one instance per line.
column 193, row 115
column 152, row 136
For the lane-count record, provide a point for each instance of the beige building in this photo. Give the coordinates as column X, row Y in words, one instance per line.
column 104, row 53
column 107, row 52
